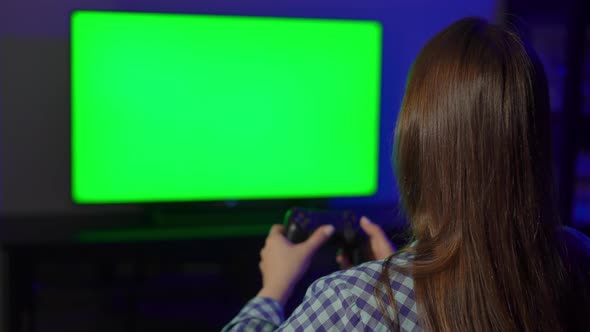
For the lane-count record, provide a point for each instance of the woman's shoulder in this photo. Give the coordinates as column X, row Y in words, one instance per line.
column 577, row 243
column 576, row 238
column 364, row 277
column 361, row 287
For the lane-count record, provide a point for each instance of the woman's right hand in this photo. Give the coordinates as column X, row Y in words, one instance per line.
column 379, row 245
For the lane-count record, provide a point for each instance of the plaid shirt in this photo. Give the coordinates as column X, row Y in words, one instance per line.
column 342, row 301
column 345, row 300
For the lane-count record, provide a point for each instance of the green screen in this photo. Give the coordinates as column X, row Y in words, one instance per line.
column 171, row 107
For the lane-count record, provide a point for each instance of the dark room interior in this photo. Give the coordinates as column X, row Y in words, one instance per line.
column 189, row 263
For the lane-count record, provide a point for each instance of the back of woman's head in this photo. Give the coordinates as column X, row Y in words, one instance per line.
column 472, row 156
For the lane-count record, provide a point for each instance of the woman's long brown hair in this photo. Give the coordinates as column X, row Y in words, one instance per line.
column 473, row 164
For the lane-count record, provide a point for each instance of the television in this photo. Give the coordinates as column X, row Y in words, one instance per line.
column 184, row 107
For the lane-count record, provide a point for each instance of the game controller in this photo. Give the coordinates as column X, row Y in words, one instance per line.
column 300, row 223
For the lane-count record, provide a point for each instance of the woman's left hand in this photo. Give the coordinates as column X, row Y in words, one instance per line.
column 283, row 263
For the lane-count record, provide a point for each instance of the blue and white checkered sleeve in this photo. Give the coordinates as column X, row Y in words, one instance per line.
column 259, row 315
column 327, row 306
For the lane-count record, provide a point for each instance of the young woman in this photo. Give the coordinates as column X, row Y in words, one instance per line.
column 473, row 162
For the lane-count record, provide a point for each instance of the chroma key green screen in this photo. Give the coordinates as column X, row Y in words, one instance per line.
column 177, row 107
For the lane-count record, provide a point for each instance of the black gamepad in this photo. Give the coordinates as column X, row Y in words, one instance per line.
column 300, row 224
